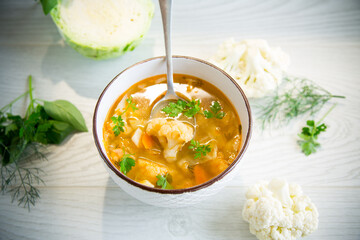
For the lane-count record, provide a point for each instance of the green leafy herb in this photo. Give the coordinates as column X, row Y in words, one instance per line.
column 200, row 149
column 119, row 121
column 189, row 109
column 296, row 97
column 119, row 124
column 173, row 109
column 192, row 108
column 24, row 138
column 164, row 181
column 214, row 111
column 65, row 111
column 126, row 163
column 131, row 104
column 309, row 134
column 48, row 5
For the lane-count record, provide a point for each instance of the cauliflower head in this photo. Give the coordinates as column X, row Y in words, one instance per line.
column 257, row 67
column 172, row 135
column 278, row 210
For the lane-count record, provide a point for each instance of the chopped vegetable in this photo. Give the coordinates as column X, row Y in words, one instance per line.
column 126, row 163
column 199, row 174
column 172, row 135
column 119, row 121
column 310, row 134
column 23, row 139
column 137, row 137
column 215, row 111
column 200, row 149
column 189, row 109
column 297, row 97
column 164, row 181
column 101, row 29
column 147, row 141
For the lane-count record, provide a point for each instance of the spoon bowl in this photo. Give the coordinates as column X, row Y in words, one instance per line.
column 170, row 96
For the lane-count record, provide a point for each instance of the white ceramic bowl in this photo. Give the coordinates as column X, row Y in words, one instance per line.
column 153, row 67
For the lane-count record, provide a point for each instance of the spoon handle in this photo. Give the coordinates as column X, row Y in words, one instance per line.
column 165, row 7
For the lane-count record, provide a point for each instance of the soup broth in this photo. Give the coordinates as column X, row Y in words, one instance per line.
column 165, row 152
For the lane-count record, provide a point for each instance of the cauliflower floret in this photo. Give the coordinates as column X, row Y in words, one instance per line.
column 172, row 135
column 278, row 210
column 256, row 66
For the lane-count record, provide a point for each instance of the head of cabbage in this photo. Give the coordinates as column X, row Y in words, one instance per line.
column 103, row 29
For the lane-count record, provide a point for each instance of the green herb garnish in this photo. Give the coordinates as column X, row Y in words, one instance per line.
column 119, row 121
column 214, row 111
column 189, row 109
column 164, row 181
column 24, row 138
column 200, row 149
column 126, row 163
column 309, row 134
column 119, row 124
column 296, row 97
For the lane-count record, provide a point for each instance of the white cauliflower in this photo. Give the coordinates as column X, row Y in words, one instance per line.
column 257, row 67
column 278, row 210
column 172, row 135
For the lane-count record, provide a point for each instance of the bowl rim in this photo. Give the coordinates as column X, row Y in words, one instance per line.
column 182, row 190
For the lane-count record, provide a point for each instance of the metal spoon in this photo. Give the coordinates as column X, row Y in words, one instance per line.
column 170, row 96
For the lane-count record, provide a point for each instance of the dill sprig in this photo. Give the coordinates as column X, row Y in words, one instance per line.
column 20, row 180
column 295, row 97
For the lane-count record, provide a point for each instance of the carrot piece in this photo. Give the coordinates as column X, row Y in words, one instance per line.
column 147, row 141
column 200, row 174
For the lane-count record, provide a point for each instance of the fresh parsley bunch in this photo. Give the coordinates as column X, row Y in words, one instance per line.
column 24, row 138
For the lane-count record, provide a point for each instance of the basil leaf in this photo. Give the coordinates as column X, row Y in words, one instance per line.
column 48, row 5
column 65, row 111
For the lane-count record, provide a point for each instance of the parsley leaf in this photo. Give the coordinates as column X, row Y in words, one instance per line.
column 200, row 149
column 309, row 137
column 119, row 121
column 174, row 109
column 208, row 114
column 164, row 181
column 214, row 111
column 119, row 125
column 309, row 134
column 189, row 109
column 131, row 104
column 192, row 108
column 126, row 163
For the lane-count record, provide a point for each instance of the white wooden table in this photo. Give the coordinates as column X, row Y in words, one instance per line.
column 80, row 201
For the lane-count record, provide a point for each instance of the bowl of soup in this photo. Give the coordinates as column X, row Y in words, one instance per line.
column 167, row 160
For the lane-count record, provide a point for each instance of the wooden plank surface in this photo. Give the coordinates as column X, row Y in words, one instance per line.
column 79, row 200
